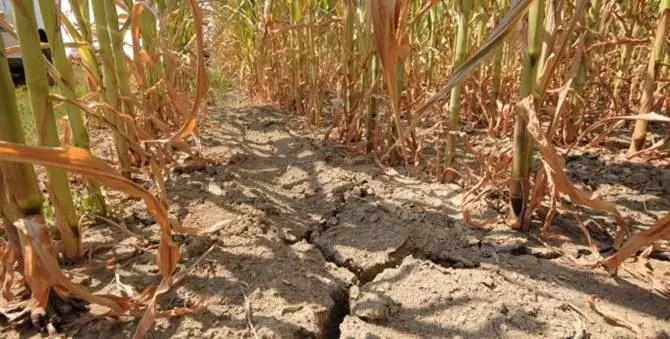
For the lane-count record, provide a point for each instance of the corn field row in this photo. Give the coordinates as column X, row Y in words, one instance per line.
column 399, row 80
column 402, row 80
column 147, row 103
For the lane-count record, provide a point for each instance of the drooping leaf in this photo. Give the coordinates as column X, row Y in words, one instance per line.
column 43, row 273
column 499, row 34
column 640, row 240
column 79, row 161
column 392, row 47
column 555, row 168
column 188, row 128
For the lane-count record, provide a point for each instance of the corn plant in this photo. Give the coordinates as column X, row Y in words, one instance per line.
column 464, row 8
column 27, row 200
column 122, row 98
column 420, row 50
column 649, row 80
column 66, row 81
column 111, row 88
column 45, row 121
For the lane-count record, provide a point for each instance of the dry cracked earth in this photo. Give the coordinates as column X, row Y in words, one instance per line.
column 319, row 245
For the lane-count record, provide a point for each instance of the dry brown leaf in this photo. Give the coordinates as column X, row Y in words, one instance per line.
column 79, row 161
column 555, row 168
column 90, row 108
column 188, row 128
column 660, row 230
column 476, row 223
column 552, row 62
column 135, row 13
column 199, row 231
column 165, row 285
column 501, row 31
column 611, row 319
column 647, row 117
column 387, row 20
column 42, row 271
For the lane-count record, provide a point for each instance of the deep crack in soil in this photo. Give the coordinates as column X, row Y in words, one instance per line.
column 319, row 245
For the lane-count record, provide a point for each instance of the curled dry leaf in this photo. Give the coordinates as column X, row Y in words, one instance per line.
column 392, row 47
column 135, row 13
column 555, row 168
column 188, row 128
column 42, row 272
column 79, row 161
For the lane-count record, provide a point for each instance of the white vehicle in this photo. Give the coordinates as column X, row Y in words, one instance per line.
column 14, row 58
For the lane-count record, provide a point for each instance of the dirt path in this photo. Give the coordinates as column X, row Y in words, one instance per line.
column 321, row 246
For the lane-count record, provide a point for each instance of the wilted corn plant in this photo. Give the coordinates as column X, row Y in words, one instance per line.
column 590, row 22
column 27, row 199
column 110, row 80
column 523, row 143
column 649, row 79
column 66, row 80
column 45, row 122
column 463, row 9
column 30, row 250
column 82, row 34
column 421, row 36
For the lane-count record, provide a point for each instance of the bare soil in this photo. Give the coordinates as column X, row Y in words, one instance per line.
column 321, row 245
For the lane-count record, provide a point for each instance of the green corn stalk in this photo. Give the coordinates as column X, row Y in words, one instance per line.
column 45, row 121
column 433, row 40
column 20, row 194
column 523, row 143
column 300, row 49
column 666, row 63
column 83, row 34
column 478, row 31
column 148, row 27
column 649, row 80
column 255, row 36
column 666, row 74
column 295, row 46
column 371, row 116
column 369, row 77
column 110, row 81
column 454, row 108
column 497, row 69
column 24, row 188
column 569, row 123
column 26, row 194
column 121, row 67
column 67, row 87
column 313, row 73
column 348, row 60
column 570, row 118
column 154, row 72
column 626, row 49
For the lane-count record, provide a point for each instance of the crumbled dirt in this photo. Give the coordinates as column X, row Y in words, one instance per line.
column 319, row 245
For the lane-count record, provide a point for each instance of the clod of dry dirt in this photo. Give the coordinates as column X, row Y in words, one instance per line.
column 419, row 299
column 318, row 246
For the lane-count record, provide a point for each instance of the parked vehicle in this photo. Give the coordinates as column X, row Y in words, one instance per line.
column 14, row 58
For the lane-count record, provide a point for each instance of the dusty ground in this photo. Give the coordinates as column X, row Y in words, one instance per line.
column 318, row 245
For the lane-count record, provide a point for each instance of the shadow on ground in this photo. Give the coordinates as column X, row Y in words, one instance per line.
column 317, row 245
